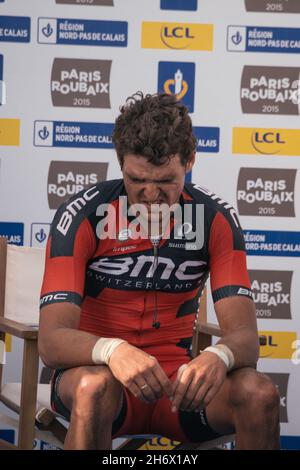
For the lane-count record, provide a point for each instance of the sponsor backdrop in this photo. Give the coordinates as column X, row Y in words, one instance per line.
column 67, row 65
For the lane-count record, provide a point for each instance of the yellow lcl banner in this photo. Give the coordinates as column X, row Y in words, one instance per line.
column 178, row 36
column 277, row 344
column 10, row 132
column 266, row 141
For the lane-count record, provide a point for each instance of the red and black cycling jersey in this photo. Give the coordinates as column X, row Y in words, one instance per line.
column 119, row 281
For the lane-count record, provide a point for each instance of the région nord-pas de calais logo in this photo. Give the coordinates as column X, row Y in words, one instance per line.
column 270, row 90
column 259, row 141
column 65, row 179
column 82, row 32
column 178, row 78
column 263, row 39
column 277, row 6
column 108, row 3
column 80, row 83
column 179, row 36
column 271, row 293
column 266, row 192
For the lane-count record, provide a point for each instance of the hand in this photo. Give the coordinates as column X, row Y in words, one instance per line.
column 140, row 373
column 198, row 382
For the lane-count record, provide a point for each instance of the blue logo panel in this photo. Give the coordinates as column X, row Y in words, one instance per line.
column 13, row 231
column 178, row 78
column 263, row 39
column 290, row 442
column 7, row 435
column 208, row 139
column 82, row 32
column 14, row 28
column 187, row 5
column 73, row 134
column 272, row 243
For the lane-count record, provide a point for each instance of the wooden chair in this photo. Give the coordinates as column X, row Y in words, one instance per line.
column 21, row 272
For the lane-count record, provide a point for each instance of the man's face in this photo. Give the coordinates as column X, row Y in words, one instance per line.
column 150, row 184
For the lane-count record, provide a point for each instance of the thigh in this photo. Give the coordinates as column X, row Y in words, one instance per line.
column 66, row 382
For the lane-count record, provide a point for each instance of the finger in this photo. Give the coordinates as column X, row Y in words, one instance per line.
column 191, row 393
column 163, row 380
column 155, row 384
column 179, row 374
column 145, row 390
column 201, row 397
column 180, row 390
column 135, row 390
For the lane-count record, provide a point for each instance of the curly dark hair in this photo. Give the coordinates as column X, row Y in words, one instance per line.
column 154, row 126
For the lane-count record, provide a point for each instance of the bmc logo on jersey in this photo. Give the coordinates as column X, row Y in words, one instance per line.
column 147, row 272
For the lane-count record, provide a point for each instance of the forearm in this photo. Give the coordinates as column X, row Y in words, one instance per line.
column 67, row 347
column 244, row 344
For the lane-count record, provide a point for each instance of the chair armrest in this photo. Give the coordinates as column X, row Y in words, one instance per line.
column 18, row 329
column 208, row 329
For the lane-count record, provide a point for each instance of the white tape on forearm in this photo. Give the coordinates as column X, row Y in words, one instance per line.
column 224, row 353
column 104, row 348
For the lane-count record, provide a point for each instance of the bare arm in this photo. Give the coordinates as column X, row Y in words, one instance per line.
column 61, row 344
column 237, row 319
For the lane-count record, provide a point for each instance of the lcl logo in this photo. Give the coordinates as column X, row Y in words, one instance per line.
column 177, row 32
column 268, row 137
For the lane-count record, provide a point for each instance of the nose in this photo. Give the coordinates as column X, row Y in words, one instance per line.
column 151, row 192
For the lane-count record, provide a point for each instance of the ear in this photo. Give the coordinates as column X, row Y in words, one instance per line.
column 190, row 162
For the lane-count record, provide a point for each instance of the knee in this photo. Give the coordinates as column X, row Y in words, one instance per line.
column 93, row 389
column 255, row 391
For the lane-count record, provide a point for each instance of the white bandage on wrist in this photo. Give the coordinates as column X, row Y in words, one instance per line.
column 104, row 348
column 224, row 353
